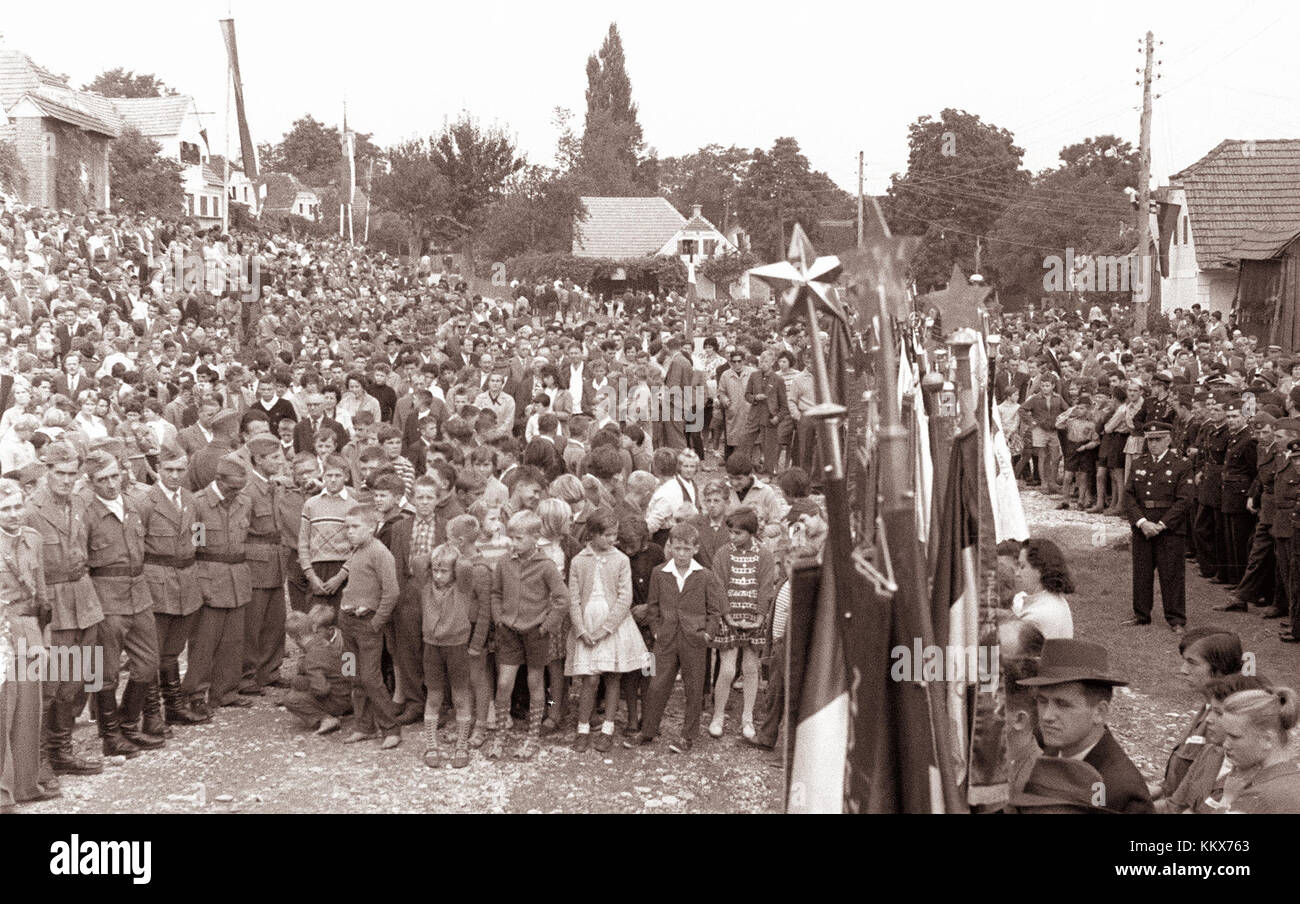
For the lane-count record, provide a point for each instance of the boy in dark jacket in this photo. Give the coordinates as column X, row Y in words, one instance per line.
column 321, row 694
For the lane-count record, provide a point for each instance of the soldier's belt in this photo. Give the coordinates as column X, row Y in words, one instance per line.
column 169, row 561
column 264, row 539
column 65, row 577
column 117, row 571
column 229, row 558
column 1153, row 504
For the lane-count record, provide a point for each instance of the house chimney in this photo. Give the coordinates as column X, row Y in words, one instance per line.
column 695, row 210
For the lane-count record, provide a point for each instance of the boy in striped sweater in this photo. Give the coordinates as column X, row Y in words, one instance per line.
column 322, row 536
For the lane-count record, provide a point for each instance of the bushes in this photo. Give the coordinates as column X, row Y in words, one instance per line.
column 668, row 273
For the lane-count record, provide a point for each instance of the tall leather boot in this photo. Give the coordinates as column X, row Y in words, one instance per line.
column 110, row 726
column 154, row 723
column 175, row 709
column 63, row 759
column 45, row 775
column 132, row 708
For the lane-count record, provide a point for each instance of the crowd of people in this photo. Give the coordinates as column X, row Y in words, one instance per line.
column 1190, row 433
column 243, row 466
column 347, row 483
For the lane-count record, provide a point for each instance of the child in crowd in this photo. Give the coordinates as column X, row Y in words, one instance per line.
column 683, row 599
column 748, row 574
column 555, row 516
column 644, row 556
column 447, row 603
column 604, row 639
column 493, row 545
column 368, row 600
column 321, row 694
column 528, row 604
column 463, row 533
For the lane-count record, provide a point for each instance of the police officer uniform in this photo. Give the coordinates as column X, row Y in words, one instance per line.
column 1159, row 491
column 1257, row 584
column 1286, row 494
column 1212, row 443
column 1240, row 465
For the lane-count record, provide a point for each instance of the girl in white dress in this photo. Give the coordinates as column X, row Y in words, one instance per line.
column 603, row 637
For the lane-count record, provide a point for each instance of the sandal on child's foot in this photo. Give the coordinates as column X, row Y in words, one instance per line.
column 431, row 758
column 715, row 727
column 477, row 738
column 328, row 724
column 747, row 729
column 582, row 743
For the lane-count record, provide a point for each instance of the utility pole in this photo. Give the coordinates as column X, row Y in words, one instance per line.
column 861, row 163
column 1140, row 312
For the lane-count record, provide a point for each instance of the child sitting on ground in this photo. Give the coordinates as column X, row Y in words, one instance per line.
column 321, row 694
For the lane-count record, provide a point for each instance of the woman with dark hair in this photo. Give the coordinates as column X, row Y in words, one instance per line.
column 1045, row 580
column 1208, row 654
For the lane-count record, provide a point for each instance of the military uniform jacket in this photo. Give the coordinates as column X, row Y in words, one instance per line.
column 223, row 570
column 1286, row 489
column 117, row 545
column 263, row 551
column 1240, row 463
column 1160, row 490
column 1262, row 489
column 288, row 504
column 73, row 601
column 22, row 586
column 169, row 534
column 1215, row 446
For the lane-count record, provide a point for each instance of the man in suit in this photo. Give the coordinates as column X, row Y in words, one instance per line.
column 1158, row 503
column 1073, row 693
column 305, row 433
column 74, row 378
column 196, row 436
column 670, row 429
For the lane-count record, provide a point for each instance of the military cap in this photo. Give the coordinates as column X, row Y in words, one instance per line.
column 226, row 421
column 1262, row 419
column 1156, row 428
column 1201, row 395
column 1287, row 423
column 170, row 451
column 1164, row 376
column 110, row 444
column 58, row 452
column 98, row 461
column 230, row 467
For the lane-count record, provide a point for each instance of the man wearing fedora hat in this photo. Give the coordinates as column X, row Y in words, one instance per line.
column 1073, row 691
column 1158, row 503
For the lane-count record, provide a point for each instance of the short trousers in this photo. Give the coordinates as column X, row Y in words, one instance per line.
column 531, row 647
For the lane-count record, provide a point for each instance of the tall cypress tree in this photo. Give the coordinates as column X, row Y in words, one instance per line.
column 613, row 159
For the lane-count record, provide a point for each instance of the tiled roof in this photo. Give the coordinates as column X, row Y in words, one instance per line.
column 154, row 116
column 1238, row 187
column 620, row 228
column 67, row 107
column 1263, row 244
column 214, row 174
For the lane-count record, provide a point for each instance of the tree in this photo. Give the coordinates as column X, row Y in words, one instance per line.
column 121, row 82
column 1079, row 207
column 711, row 177
column 313, row 152
column 780, row 189
column 415, row 189
column 535, row 214
column 141, row 179
column 475, row 163
column 614, row 161
column 962, row 173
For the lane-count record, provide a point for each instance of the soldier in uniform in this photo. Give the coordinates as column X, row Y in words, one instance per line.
column 115, row 539
column 289, row 501
column 1212, row 443
column 22, row 598
column 1286, row 492
column 167, row 510
column 1157, row 500
column 1257, row 583
column 264, row 619
column 216, row 661
column 1240, row 462
column 59, row 516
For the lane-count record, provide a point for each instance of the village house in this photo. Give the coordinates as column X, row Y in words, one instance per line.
column 281, row 194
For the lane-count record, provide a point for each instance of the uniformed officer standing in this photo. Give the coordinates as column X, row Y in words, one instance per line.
column 264, row 619
column 1240, row 464
column 1212, row 444
column 22, row 597
column 1157, row 499
column 216, row 660
column 1257, row 584
column 1286, row 493
column 167, row 510
column 115, row 539
column 59, row 516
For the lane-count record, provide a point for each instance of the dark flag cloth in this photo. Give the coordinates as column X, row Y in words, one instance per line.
column 246, row 145
column 817, row 698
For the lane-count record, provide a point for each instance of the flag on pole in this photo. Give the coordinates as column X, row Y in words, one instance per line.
column 246, row 147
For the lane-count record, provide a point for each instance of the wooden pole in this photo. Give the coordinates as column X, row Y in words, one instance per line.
column 861, row 164
column 1140, row 312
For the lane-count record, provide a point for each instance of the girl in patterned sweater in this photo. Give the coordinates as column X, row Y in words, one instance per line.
column 748, row 575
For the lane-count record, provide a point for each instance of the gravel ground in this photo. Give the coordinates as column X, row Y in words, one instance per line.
column 257, row 761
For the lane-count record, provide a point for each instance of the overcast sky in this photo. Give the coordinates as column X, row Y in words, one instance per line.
column 839, row 78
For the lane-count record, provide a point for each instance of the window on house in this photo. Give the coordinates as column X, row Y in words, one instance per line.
column 190, row 153
column 189, row 205
column 203, row 205
column 710, row 246
column 1184, row 229
column 50, row 148
column 686, row 247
